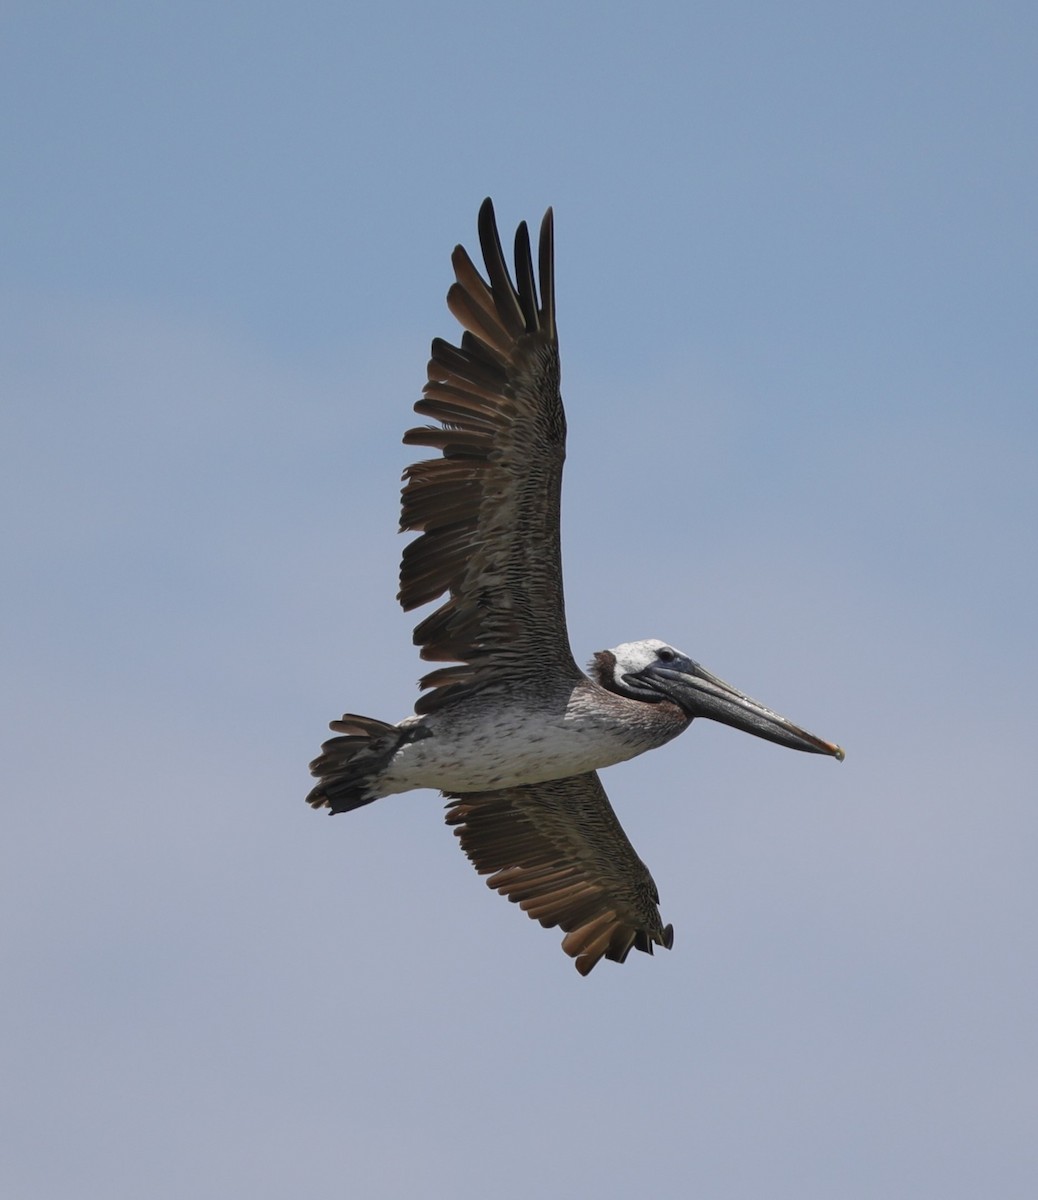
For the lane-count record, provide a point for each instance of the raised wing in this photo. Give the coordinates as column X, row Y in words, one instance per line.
column 488, row 509
column 558, row 851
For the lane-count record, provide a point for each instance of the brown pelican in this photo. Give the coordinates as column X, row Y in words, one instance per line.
column 512, row 731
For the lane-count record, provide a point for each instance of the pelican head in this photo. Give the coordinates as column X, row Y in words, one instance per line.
column 652, row 671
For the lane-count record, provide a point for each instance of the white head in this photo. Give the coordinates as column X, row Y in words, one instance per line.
column 613, row 668
column 636, row 656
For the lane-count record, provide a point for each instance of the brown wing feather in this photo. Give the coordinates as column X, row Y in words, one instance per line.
column 488, row 509
column 559, row 852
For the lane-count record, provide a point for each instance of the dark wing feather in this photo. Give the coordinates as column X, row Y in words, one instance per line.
column 558, row 851
column 488, row 509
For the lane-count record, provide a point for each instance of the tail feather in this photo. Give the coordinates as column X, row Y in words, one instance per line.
column 348, row 766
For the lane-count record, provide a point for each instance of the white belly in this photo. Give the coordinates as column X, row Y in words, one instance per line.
column 486, row 752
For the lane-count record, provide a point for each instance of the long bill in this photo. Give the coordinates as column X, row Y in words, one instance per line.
column 701, row 694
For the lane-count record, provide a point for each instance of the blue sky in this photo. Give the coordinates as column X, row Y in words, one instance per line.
column 796, row 259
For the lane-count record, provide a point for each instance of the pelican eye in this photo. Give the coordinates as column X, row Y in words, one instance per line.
column 665, row 654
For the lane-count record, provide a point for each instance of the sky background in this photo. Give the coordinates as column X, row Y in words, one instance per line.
column 796, row 252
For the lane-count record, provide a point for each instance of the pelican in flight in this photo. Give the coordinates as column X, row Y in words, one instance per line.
column 511, row 731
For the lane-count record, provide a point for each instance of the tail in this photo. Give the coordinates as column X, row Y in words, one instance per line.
column 349, row 766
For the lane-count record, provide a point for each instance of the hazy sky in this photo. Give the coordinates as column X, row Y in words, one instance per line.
column 796, row 258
